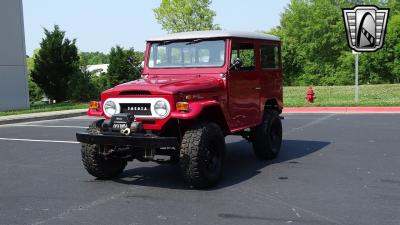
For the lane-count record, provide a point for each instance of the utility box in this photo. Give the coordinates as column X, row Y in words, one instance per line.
column 14, row 93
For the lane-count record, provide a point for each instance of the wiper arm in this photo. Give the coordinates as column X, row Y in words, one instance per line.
column 164, row 43
column 195, row 41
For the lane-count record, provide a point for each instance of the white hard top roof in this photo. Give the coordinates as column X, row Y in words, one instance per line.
column 214, row 34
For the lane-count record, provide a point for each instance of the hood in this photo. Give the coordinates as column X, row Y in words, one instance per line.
column 171, row 85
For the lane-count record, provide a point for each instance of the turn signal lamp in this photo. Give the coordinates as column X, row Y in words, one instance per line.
column 182, row 106
column 94, row 105
column 189, row 97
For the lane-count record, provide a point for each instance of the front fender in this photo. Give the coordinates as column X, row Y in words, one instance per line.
column 96, row 113
column 195, row 109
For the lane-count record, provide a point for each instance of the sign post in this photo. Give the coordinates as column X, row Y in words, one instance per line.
column 366, row 35
column 356, row 54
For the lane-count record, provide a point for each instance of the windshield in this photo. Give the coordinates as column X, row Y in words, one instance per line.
column 195, row 53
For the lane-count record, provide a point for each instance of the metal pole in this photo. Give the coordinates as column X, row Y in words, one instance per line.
column 356, row 79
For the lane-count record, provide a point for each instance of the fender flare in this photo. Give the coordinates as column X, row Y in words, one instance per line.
column 96, row 113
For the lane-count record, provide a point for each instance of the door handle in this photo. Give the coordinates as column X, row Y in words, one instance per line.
column 258, row 88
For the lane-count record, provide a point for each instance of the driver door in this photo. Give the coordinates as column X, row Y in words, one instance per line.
column 244, row 86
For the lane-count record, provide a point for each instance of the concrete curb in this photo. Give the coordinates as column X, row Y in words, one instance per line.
column 42, row 116
column 354, row 110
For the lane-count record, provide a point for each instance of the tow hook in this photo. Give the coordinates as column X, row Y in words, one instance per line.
column 126, row 131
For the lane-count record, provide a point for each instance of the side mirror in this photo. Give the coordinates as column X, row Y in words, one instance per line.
column 130, row 60
column 237, row 63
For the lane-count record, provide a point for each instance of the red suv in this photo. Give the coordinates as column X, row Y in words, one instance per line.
column 196, row 88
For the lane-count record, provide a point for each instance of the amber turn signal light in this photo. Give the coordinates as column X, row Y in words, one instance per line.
column 94, row 105
column 182, row 106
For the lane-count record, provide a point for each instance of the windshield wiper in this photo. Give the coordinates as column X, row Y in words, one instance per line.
column 195, row 41
column 164, row 43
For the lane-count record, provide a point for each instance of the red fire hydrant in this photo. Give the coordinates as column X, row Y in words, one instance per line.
column 310, row 95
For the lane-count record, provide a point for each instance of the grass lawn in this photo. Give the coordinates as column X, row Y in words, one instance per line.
column 41, row 107
column 369, row 95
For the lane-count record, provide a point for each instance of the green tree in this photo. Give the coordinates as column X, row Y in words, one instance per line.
column 313, row 38
column 55, row 64
column 394, row 6
column 101, row 82
column 119, row 70
column 82, row 88
column 30, row 60
column 93, row 58
column 185, row 15
column 315, row 49
column 393, row 42
column 35, row 93
column 93, row 82
column 383, row 66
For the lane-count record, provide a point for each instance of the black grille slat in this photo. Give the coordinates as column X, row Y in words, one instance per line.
column 137, row 109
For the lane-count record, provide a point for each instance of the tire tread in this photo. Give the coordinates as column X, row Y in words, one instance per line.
column 192, row 154
column 95, row 164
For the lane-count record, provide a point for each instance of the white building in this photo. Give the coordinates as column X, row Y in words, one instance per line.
column 14, row 93
column 98, row 69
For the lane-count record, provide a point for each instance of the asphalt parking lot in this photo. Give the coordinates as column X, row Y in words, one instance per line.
column 333, row 169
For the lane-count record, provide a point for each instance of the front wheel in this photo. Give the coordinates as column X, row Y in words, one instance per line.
column 99, row 166
column 267, row 139
column 202, row 155
column 96, row 163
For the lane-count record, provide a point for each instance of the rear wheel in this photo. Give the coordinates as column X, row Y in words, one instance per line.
column 268, row 136
column 96, row 163
column 202, row 155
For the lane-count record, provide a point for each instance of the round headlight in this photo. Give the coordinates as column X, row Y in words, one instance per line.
column 161, row 108
column 110, row 108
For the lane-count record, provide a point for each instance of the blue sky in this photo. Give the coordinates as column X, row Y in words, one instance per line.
column 100, row 24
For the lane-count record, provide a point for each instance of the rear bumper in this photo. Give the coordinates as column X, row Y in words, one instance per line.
column 136, row 140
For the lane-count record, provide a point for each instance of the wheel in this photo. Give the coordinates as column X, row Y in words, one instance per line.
column 95, row 163
column 267, row 139
column 202, row 155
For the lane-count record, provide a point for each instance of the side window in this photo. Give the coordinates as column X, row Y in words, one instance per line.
column 269, row 57
column 244, row 51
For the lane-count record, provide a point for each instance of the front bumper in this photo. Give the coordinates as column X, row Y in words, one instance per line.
column 135, row 140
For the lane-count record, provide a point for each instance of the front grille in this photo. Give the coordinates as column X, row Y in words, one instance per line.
column 135, row 93
column 137, row 109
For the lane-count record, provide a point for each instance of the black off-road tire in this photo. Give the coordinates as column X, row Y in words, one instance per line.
column 267, row 138
column 202, row 155
column 95, row 163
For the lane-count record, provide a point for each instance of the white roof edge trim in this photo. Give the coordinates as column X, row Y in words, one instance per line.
column 214, row 34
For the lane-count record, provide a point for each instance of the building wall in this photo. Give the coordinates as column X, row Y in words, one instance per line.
column 14, row 92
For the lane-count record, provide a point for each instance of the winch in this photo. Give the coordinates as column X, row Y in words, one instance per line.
column 123, row 123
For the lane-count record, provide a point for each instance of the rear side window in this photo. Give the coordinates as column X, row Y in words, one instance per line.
column 269, row 57
column 244, row 51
